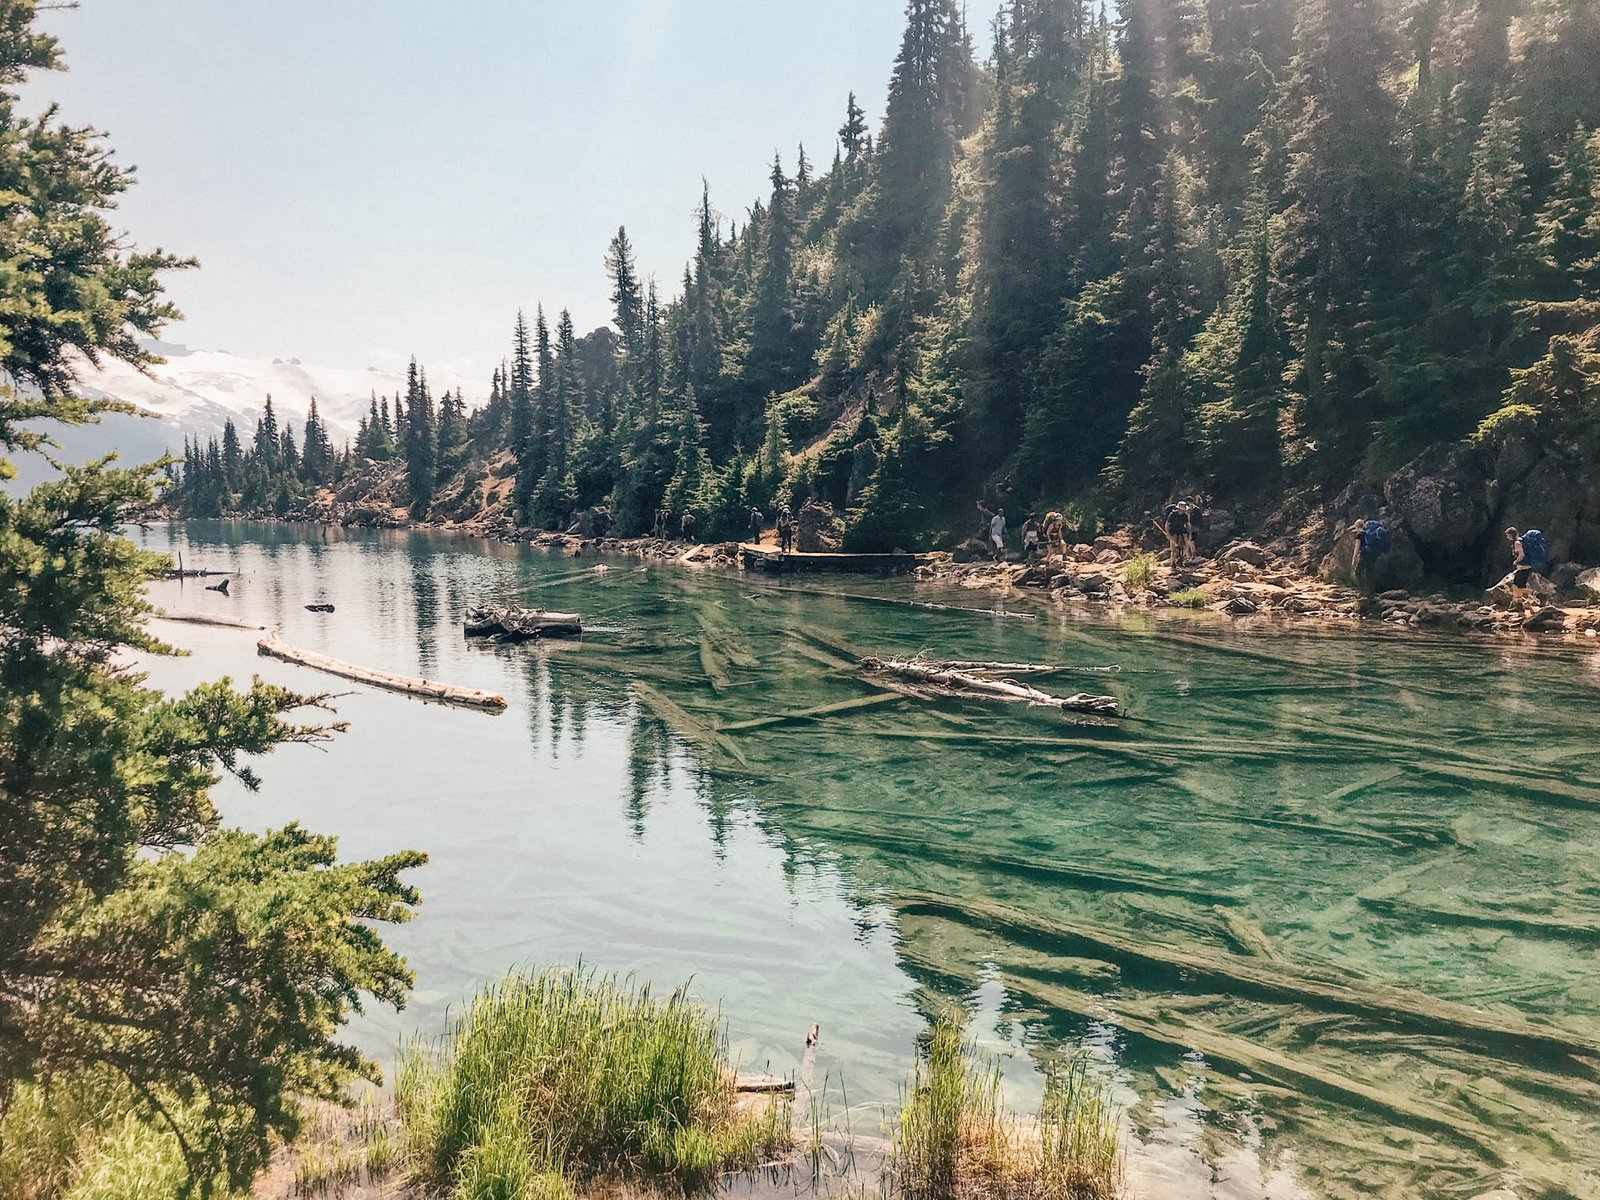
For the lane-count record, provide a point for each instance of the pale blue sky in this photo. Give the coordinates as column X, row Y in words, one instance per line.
column 367, row 179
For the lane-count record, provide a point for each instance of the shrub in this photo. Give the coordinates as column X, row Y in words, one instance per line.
column 1139, row 571
column 1190, row 598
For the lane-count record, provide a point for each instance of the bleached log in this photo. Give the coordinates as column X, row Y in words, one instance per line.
column 207, row 619
column 507, row 623
column 273, row 646
column 964, row 683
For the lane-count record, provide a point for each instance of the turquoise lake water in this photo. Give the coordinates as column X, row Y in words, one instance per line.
column 1324, row 910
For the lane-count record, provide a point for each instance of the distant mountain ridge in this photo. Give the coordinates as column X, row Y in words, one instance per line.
column 194, row 393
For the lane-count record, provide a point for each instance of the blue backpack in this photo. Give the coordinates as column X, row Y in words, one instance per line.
column 1374, row 539
column 1535, row 550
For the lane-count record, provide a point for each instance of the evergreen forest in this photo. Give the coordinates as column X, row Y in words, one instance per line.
column 1251, row 249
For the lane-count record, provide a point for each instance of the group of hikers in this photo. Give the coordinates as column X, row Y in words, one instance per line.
column 1044, row 536
column 787, row 527
column 1530, row 556
column 1180, row 522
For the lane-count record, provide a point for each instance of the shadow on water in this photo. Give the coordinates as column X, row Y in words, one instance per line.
column 1332, row 900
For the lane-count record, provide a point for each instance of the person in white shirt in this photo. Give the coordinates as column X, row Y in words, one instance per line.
column 997, row 534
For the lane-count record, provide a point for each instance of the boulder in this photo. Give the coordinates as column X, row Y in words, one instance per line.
column 817, row 531
column 1217, row 527
column 1441, row 498
column 969, row 551
column 1588, row 582
column 1246, row 552
column 1548, row 617
column 1549, row 499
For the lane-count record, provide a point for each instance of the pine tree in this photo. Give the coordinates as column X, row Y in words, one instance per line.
column 452, row 436
column 265, row 445
column 930, row 107
column 853, row 133
column 625, row 292
column 316, row 454
column 232, row 455
column 1339, row 228
column 420, row 446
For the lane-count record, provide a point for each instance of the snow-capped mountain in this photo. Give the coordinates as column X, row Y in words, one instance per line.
column 195, row 391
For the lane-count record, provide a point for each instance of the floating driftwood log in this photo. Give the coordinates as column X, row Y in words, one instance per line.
column 274, row 647
column 508, row 623
column 972, row 681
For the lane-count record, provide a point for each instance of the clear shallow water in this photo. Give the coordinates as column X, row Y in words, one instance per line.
column 1326, row 909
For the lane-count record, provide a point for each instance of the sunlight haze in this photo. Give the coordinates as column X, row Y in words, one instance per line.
column 364, row 181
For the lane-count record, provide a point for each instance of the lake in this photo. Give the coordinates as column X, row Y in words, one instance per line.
column 1324, row 909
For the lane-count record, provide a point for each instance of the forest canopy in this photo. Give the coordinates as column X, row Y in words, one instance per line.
column 1244, row 247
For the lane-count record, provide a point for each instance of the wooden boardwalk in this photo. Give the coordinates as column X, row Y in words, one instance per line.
column 770, row 558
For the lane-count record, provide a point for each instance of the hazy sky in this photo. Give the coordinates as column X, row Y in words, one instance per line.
column 367, row 179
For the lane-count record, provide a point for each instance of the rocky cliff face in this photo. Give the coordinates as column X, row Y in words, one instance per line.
column 1449, row 507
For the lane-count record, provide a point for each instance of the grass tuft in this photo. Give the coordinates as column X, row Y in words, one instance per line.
column 1190, row 598
column 955, row 1141
column 555, row 1080
column 1140, row 570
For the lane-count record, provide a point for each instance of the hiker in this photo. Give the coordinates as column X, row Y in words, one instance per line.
column 661, row 524
column 1055, row 534
column 756, row 522
column 1194, row 517
column 1177, row 527
column 997, row 534
column 785, row 530
column 686, row 526
column 1372, row 543
column 1530, row 556
column 1030, row 538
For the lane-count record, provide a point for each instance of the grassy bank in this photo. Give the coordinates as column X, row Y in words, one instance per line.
column 557, row 1081
column 954, row 1139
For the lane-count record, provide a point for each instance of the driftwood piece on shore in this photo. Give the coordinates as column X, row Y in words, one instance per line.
column 946, row 679
column 426, row 689
column 508, row 623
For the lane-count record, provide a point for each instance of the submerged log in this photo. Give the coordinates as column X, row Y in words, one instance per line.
column 274, row 647
column 966, row 684
column 508, row 623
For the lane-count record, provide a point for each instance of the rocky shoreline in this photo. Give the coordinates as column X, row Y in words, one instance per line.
column 1238, row 580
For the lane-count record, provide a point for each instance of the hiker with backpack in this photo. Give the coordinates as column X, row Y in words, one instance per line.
column 1530, row 556
column 1372, row 543
column 1177, row 525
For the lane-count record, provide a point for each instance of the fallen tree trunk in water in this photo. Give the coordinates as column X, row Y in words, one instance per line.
column 966, row 684
column 274, row 647
column 507, row 623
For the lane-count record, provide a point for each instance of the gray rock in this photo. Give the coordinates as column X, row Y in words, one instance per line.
column 1588, row 582
column 817, row 531
column 1246, row 552
column 1548, row 617
column 1441, row 498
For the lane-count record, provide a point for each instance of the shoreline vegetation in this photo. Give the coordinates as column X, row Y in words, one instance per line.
column 565, row 1084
